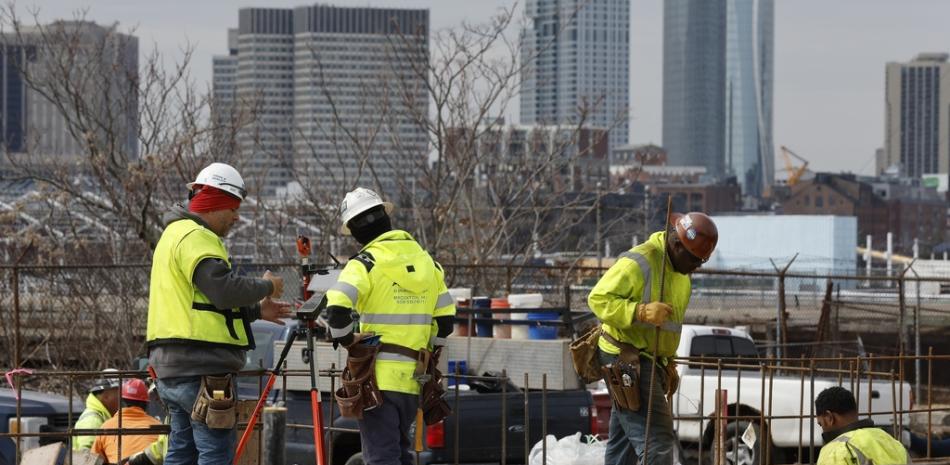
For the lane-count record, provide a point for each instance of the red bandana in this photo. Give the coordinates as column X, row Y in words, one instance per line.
column 210, row 199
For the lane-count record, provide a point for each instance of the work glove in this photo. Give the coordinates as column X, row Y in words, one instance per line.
column 655, row 313
column 138, row 459
column 672, row 380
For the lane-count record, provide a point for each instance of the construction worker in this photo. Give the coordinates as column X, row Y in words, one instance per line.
column 627, row 301
column 199, row 317
column 134, row 416
column 849, row 441
column 101, row 403
column 400, row 295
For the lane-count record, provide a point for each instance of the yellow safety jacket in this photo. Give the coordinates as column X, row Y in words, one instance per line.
column 94, row 415
column 398, row 290
column 865, row 446
column 179, row 312
column 633, row 279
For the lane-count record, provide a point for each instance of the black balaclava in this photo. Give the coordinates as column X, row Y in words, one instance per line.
column 370, row 224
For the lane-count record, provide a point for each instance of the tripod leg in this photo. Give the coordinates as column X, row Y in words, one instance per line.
column 316, row 410
column 263, row 399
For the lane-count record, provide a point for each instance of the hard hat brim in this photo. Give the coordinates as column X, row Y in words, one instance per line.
column 387, row 206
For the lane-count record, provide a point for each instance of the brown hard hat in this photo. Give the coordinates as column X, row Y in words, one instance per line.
column 697, row 232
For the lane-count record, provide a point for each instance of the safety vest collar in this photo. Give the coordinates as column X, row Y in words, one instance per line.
column 830, row 436
column 94, row 405
column 394, row 235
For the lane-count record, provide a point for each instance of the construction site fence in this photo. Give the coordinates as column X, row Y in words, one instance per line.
column 93, row 316
column 920, row 415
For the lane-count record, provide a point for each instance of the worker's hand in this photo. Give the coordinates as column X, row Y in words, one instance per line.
column 273, row 310
column 655, row 313
column 278, row 283
column 137, row 459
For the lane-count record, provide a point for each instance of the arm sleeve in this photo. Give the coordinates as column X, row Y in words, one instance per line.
column 615, row 297
column 444, row 315
column 215, row 279
column 344, row 298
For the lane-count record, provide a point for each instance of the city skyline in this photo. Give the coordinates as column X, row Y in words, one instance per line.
column 829, row 67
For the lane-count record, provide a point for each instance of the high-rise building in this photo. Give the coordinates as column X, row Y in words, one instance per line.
column 717, row 88
column 917, row 119
column 328, row 95
column 749, row 146
column 577, row 65
column 102, row 73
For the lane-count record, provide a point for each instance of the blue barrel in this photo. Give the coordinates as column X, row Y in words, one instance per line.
column 450, row 376
column 482, row 329
column 542, row 332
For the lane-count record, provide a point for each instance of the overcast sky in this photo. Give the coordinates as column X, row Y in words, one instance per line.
column 829, row 57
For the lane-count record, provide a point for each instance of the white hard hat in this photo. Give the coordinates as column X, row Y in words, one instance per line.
column 358, row 201
column 221, row 176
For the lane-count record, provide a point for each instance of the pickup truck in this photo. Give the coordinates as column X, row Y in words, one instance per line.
column 478, row 417
column 788, row 396
column 40, row 412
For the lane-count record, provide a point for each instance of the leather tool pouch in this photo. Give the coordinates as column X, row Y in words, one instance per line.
column 585, row 358
column 216, row 413
column 624, row 385
column 359, row 391
column 434, row 407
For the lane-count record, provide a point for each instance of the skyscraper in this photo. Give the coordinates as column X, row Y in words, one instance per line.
column 331, row 95
column 749, row 75
column 717, row 88
column 917, row 106
column 102, row 75
column 578, row 61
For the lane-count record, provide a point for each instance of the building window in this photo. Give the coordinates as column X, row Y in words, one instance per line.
column 819, row 202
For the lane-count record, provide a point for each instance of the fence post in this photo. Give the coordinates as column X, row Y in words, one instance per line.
column 781, row 321
column 275, row 429
column 902, row 306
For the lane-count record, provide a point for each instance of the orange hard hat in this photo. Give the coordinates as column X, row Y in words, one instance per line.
column 697, row 232
column 135, row 389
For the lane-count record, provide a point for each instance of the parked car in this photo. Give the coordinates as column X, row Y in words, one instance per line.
column 39, row 412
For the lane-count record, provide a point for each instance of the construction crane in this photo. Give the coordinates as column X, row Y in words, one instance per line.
column 794, row 173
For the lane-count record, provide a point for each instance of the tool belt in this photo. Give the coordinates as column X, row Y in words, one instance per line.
column 215, row 405
column 623, row 376
column 432, row 397
column 433, row 404
column 358, row 391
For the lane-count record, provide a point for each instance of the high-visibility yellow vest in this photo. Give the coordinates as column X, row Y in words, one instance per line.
column 92, row 417
column 633, row 279
column 179, row 312
column 865, row 446
column 398, row 290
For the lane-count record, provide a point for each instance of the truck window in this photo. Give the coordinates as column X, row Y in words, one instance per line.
column 728, row 348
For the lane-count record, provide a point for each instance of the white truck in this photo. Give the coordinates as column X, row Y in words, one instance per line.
column 786, row 398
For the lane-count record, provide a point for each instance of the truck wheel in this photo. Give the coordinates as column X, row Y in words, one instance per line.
column 355, row 459
column 736, row 448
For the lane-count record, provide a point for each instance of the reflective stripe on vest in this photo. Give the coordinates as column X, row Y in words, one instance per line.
column 854, row 451
column 396, row 318
column 444, row 300
column 349, row 290
column 645, row 269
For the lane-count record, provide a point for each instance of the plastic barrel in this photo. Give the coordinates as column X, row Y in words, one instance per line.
column 498, row 310
column 463, row 299
column 450, row 376
column 482, row 329
column 522, row 301
column 542, row 332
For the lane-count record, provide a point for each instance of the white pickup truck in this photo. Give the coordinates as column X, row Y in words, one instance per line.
column 788, row 395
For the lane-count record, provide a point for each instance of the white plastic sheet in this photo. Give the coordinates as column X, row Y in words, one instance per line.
column 569, row 450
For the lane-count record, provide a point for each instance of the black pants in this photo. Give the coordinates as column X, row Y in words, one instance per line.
column 384, row 431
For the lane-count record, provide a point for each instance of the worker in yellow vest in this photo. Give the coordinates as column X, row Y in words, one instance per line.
column 399, row 292
column 849, row 441
column 628, row 303
column 199, row 317
column 101, row 404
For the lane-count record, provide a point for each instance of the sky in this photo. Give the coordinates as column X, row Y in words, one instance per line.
column 829, row 57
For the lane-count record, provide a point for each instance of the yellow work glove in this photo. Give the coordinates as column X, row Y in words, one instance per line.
column 655, row 313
